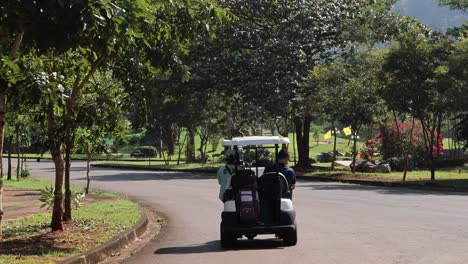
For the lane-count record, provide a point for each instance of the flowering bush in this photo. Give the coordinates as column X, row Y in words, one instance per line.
column 399, row 138
column 368, row 151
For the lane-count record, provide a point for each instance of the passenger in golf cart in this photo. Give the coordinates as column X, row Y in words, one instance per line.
column 225, row 172
column 257, row 203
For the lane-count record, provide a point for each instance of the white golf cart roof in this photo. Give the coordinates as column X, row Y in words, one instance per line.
column 256, row 140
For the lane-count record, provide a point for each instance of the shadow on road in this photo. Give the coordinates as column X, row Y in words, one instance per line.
column 73, row 168
column 215, row 246
column 380, row 190
column 148, row 176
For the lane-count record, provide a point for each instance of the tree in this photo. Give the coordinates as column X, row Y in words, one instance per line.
column 459, row 94
column 269, row 49
column 99, row 115
column 329, row 79
column 99, row 32
column 418, row 65
column 360, row 100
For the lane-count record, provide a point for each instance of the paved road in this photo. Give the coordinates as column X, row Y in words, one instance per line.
column 338, row 223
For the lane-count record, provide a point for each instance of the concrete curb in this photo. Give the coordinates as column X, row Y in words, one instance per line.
column 425, row 187
column 112, row 246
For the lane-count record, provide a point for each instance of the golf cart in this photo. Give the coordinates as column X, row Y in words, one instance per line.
column 255, row 202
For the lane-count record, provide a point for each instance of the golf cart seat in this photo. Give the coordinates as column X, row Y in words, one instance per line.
column 272, row 187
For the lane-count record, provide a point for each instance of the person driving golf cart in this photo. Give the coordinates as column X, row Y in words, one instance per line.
column 282, row 167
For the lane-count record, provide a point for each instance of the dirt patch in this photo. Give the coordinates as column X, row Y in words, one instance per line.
column 19, row 203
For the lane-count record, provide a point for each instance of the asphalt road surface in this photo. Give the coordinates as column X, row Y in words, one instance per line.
column 337, row 223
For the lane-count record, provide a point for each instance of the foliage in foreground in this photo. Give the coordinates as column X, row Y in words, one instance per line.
column 26, row 240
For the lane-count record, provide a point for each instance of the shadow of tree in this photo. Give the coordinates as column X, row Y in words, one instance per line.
column 148, row 176
column 33, row 246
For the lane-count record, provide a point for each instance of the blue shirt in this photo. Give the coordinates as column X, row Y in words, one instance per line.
column 289, row 173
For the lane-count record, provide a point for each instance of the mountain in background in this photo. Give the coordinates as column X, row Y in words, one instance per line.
column 430, row 13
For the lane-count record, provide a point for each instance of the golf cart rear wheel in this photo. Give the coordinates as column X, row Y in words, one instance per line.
column 227, row 239
column 290, row 238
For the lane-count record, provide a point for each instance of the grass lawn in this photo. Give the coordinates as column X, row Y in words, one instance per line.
column 444, row 177
column 27, row 240
column 40, row 184
column 162, row 166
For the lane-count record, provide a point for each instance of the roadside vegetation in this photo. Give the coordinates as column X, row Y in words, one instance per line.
column 99, row 217
column 27, row 240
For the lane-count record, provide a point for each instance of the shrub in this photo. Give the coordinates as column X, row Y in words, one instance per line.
column 214, row 142
column 264, row 159
column 396, row 138
column 25, row 171
column 47, row 198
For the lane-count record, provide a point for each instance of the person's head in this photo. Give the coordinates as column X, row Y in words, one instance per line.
column 283, row 157
column 230, row 156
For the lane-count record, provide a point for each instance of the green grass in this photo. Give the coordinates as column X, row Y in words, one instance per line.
column 33, row 184
column 162, row 166
column 93, row 225
column 40, row 184
column 444, row 177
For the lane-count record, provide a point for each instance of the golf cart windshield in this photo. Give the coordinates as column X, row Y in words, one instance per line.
column 255, row 143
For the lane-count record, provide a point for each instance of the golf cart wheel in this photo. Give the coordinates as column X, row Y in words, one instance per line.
column 227, row 239
column 290, row 238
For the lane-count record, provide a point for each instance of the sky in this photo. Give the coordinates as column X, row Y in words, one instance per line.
column 430, row 13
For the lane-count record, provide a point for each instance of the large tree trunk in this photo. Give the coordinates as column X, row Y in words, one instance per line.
column 18, row 150
column 67, row 215
column 180, row 147
column 88, row 178
column 353, row 167
column 57, row 212
column 405, row 152
column 303, row 144
column 335, row 132
column 170, row 141
column 10, row 150
column 438, row 143
column 429, row 143
column 3, row 100
column 190, row 150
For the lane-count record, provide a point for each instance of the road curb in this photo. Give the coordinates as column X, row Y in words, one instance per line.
column 113, row 246
column 154, row 169
column 425, row 187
